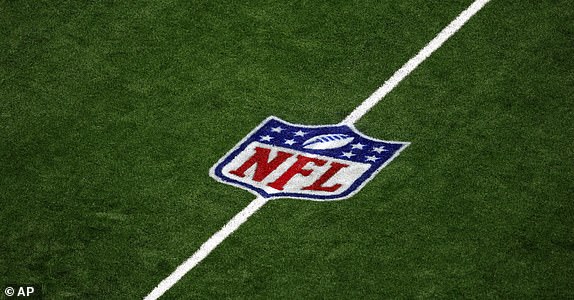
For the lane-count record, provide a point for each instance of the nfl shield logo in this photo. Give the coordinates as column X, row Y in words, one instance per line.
column 283, row 160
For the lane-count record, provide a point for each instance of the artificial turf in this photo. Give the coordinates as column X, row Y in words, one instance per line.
column 112, row 113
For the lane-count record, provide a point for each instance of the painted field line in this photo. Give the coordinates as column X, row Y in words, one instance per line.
column 207, row 247
column 414, row 62
column 352, row 118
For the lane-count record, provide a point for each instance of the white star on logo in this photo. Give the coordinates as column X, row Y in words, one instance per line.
column 348, row 154
column 357, row 146
column 266, row 138
column 371, row 158
column 300, row 133
column 379, row 149
column 289, row 142
column 277, row 129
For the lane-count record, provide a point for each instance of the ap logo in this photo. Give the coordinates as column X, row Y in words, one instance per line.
column 283, row 160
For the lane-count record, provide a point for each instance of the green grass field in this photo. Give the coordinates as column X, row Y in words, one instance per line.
column 112, row 113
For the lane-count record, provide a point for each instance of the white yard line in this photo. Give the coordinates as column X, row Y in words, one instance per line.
column 352, row 118
column 414, row 62
column 207, row 247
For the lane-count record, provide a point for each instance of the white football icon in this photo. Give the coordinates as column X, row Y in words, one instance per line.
column 327, row 141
